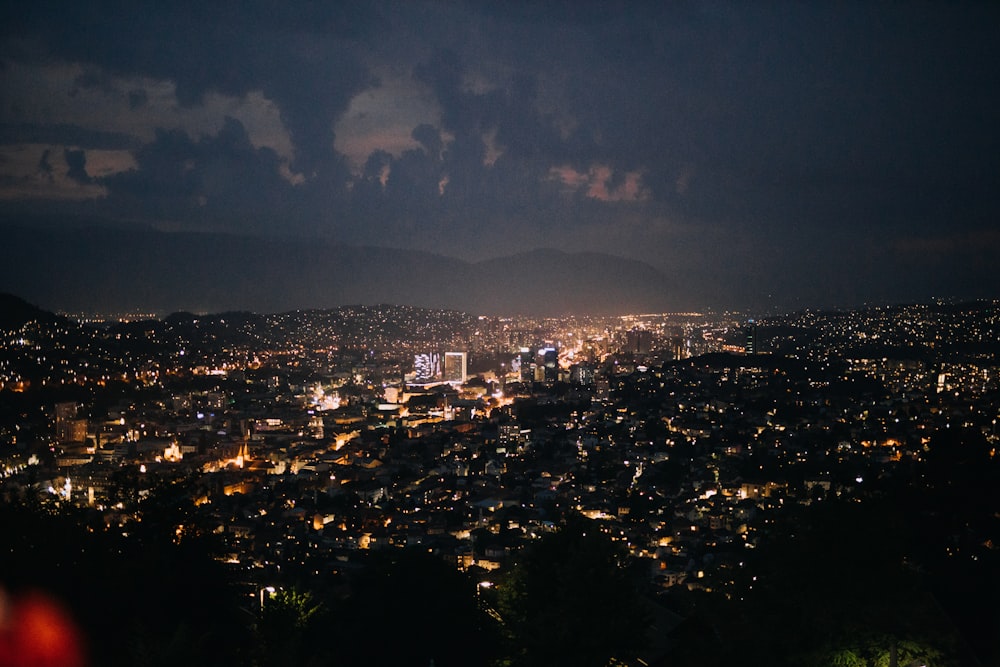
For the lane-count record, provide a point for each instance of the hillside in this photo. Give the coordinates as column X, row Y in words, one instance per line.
column 104, row 269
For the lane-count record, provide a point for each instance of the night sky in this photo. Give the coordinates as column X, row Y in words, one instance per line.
column 758, row 153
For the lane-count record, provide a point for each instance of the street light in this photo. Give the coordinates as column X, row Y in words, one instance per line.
column 270, row 590
column 481, row 586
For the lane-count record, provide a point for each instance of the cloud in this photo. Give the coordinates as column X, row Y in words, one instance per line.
column 602, row 183
column 430, row 138
column 76, row 161
column 62, row 133
column 137, row 98
column 696, row 133
column 303, row 60
column 44, row 166
column 443, row 75
column 44, row 172
column 104, row 117
column 384, row 118
column 221, row 182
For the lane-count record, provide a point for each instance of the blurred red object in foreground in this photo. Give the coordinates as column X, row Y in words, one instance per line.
column 36, row 631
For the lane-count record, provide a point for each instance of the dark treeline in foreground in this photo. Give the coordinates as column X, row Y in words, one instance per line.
column 879, row 578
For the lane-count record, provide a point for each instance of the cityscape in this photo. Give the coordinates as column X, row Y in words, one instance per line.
column 562, row 333
column 303, row 451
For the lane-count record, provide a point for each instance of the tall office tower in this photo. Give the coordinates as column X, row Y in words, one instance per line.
column 539, row 373
column 639, row 341
column 427, row 367
column 550, row 359
column 678, row 348
column 454, row 367
column 751, row 344
column 527, row 365
column 582, row 374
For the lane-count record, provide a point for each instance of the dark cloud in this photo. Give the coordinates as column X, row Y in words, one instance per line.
column 137, row 99
column 76, row 160
column 795, row 148
column 780, row 103
column 62, row 134
column 94, row 78
column 430, row 138
column 293, row 55
column 507, row 114
column 443, row 74
column 44, row 166
column 220, row 181
column 312, row 101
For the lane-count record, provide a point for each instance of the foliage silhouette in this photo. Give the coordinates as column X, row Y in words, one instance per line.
column 570, row 601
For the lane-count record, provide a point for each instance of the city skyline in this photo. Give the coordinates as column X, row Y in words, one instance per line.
column 761, row 157
column 291, row 461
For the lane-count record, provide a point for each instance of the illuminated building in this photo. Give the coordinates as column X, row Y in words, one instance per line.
column 527, row 365
column 550, row 362
column 582, row 374
column 511, row 437
column 639, row 341
column 427, row 367
column 455, row 367
column 68, row 427
column 751, row 344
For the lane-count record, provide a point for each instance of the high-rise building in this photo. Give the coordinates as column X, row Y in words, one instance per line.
column 582, row 374
column 427, row 367
column 751, row 344
column 679, row 347
column 639, row 341
column 527, row 365
column 550, row 361
column 455, row 370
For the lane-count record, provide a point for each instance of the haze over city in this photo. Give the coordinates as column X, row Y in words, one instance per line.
column 759, row 156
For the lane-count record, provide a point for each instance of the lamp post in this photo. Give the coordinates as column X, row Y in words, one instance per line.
column 270, row 590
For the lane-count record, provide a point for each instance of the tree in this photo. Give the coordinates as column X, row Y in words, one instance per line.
column 288, row 621
column 409, row 607
column 569, row 601
column 834, row 585
column 169, row 604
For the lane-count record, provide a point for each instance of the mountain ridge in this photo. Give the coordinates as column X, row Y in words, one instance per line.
column 94, row 268
column 15, row 312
